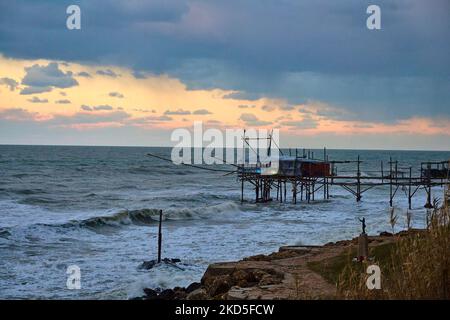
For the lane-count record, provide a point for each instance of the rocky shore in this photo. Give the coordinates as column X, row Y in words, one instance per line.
column 294, row 272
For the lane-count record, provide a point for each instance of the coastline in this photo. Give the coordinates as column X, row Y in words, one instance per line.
column 291, row 273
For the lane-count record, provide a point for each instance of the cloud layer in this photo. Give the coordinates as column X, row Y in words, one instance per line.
column 39, row 79
column 297, row 50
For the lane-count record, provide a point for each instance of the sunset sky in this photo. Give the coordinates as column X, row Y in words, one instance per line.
column 139, row 69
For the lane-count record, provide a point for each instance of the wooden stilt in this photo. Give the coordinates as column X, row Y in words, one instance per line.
column 242, row 190
column 390, row 182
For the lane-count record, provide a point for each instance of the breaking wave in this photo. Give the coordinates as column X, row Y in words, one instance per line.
column 151, row 216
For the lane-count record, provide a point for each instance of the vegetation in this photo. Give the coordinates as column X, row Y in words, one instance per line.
column 414, row 266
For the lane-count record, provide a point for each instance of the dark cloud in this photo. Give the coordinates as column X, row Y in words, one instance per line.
column 139, row 75
column 63, row 101
column 35, row 90
column 37, row 100
column 103, row 107
column 335, row 113
column 177, row 112
column 245, row 106
column 10, row 83
column 144, row 110
column 84, row 74
column 268, row 108
column 251, row 120
column 116, row 95
column 40, row 79
column 293, row 49
column 108, row 73
column 202, row 112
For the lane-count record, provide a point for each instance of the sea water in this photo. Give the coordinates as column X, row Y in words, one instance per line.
column 97, row 208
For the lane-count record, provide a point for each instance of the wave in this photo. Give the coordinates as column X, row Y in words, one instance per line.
column 150, row 216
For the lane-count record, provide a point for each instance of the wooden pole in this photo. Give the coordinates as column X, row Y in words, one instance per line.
column 358, row 187
column 308, row 186
column 278, row 189
column 313, row 190
column 294, row 191
column 409, row 189
column 159, row 236
column 281, row 191
column 301, row 191
column 390, row 181
column 242, row 189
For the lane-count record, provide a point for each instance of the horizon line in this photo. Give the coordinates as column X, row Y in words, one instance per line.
column 168, row 146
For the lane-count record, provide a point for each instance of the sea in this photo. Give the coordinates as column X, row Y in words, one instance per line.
column 97, row 208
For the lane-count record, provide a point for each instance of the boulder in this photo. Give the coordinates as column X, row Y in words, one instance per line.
column 219, row 285
column 198, row 294
column 167, row 294
column 150, row 294
column 218, row 269
column 179, row 293
column 269, row 279
column 193, row 286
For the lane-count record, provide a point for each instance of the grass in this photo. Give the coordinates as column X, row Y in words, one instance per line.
column 331, row 269
column 415, row 266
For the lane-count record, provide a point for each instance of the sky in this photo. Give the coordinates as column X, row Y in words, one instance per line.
column 137, row 70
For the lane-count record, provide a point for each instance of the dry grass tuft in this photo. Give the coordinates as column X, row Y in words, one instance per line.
column 417, row 266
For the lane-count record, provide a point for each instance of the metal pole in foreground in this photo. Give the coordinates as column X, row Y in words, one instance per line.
column 159, row 236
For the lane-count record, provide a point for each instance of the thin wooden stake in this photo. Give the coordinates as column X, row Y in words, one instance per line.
column 159, row 236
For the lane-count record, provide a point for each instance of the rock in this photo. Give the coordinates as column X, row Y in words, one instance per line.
column 240, row 278
column 147, row 265
column 268, row 279
column 385, row 234
column 218, row 269
column 193, row 286
column 259, row 257
column 150, row 293
column 259, row 274
column 198, row 294
column 220, row 285
column 167, row 294
column 179, row 293
column 174, row 260
column 237, row 293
